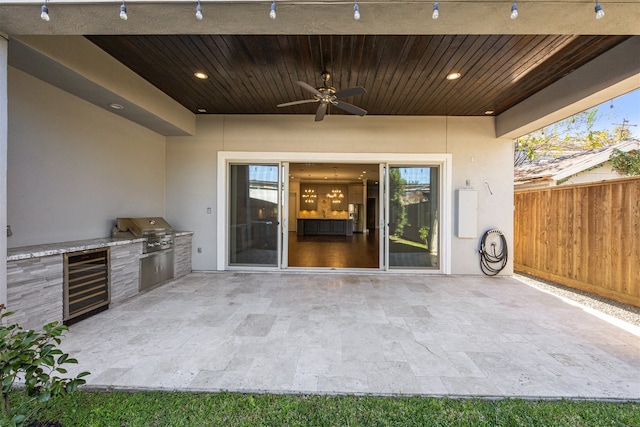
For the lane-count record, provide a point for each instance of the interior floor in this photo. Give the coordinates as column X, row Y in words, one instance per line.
column 358, row 251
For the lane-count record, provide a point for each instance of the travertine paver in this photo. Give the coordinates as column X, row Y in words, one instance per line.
column 355, row 333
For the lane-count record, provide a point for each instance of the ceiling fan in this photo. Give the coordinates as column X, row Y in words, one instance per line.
column 327, row 95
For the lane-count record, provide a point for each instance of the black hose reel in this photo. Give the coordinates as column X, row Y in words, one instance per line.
column 493, row 252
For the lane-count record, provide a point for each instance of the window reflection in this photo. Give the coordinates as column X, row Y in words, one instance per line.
column 253, row 234
column 413, row 217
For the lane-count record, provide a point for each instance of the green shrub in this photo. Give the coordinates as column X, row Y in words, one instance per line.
column 626, row 163
column 33, row 359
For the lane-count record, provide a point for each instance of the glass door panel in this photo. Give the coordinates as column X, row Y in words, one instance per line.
column 285, row 214
column 253, row 216
column 413, row 202
column 383, row 210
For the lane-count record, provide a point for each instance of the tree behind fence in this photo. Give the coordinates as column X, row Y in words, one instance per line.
column 585, row 236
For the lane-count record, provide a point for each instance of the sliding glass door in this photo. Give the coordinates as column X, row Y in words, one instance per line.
column 254, row 210
column 404, row 208
column 412, row 217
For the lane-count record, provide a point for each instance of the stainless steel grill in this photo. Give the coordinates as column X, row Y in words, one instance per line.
column 156, row 264
column 158, row 232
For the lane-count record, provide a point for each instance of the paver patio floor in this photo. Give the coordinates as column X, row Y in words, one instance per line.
column 356, row 333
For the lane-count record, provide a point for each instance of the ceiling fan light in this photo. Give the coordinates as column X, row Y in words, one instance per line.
column 436, row 13
column 327, row 96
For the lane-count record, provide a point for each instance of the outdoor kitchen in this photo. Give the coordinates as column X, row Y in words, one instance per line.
column 69, row 281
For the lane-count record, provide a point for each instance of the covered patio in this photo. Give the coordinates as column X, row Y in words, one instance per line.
column 358, row 334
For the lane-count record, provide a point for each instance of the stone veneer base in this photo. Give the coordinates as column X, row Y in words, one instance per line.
column 35, row 275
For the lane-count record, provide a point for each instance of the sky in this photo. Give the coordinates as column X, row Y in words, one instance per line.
column 624, row 107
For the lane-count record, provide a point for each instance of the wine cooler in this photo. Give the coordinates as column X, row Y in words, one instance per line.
column 86, row 283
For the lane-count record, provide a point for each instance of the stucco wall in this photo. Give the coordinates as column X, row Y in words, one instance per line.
column 191, row 187
column 73, row 167
column 477, row 156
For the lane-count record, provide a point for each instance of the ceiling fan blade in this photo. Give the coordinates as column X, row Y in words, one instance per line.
column 352, row 91
column 303, row 101
column 349, row 108
column 322, row 109
column 309, row 88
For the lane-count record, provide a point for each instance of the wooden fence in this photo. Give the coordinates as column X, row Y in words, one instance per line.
column 584, row 236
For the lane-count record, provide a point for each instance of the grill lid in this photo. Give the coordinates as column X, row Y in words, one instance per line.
column 143, row 226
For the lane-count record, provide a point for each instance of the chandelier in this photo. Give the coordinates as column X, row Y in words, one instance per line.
column 335, row 195
column 309, row 196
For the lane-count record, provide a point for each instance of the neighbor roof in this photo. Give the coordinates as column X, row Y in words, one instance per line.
column 563, row 167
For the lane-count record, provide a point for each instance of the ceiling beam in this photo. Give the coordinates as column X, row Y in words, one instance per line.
column 610, row 75
column 75, row 65
column 18, row 17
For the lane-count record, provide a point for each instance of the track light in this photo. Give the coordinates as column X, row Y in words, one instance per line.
column 123, row 12
column 599, row 11
column 44, row 12
column 199, row 15
column 356, row 11
column 514, row 11
column 272, row 12
column 436, row 13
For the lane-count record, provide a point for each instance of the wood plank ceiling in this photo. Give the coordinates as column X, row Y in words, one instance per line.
column 403, row 75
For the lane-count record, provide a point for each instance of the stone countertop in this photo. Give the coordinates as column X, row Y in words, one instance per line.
column 47, row 249
column 328, row 219
column 36, row 251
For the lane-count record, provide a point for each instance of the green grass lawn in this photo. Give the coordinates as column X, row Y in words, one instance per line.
column 408, row 243
column 122, row 409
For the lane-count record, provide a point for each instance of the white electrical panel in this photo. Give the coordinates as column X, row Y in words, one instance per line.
column 467, row 213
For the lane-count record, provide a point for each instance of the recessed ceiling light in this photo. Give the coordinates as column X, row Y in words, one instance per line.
column 201, row 75
column 116, row 106
column 489, row 112
column 453, row 76
column 201, row 110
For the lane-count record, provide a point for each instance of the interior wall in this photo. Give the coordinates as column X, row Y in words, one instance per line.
column 191, row 165
column 74, row 167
